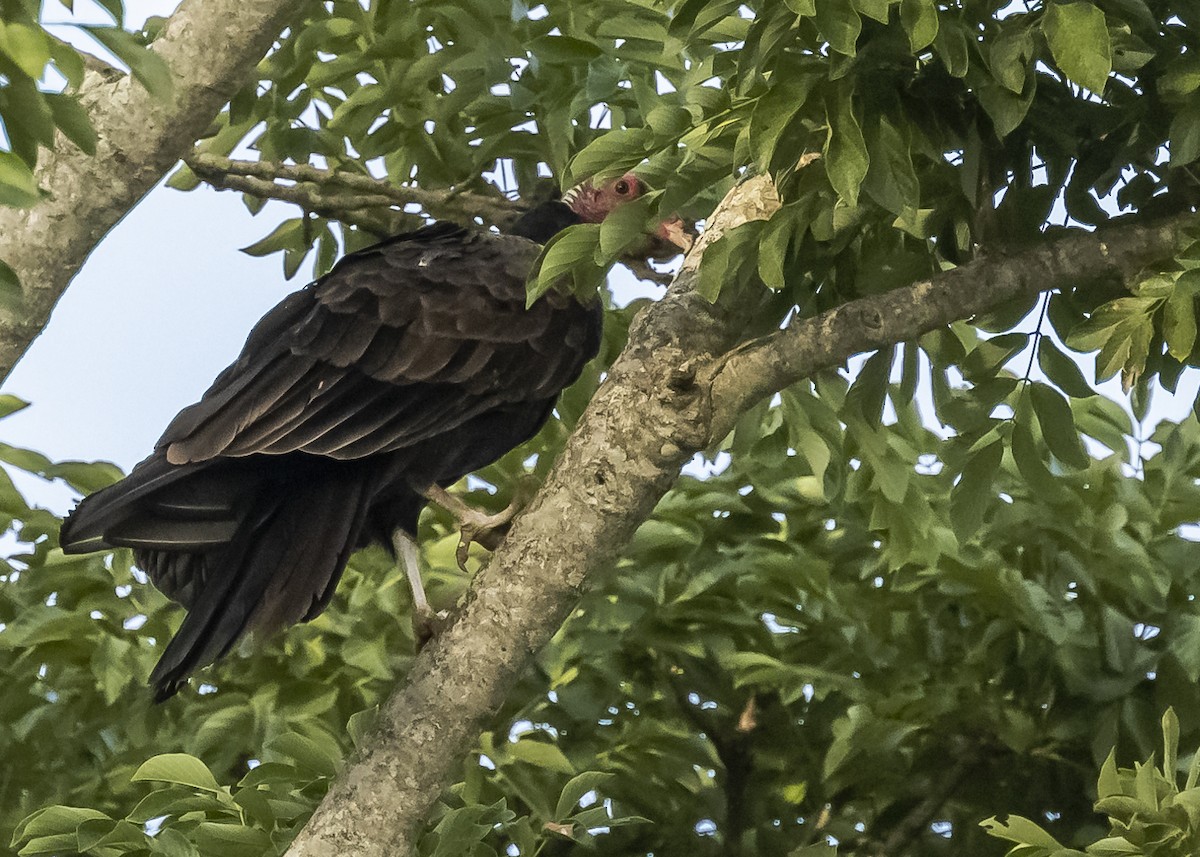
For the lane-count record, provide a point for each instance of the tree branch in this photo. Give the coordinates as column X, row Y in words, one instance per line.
column 627, row 450
column 670, row 392
column 342, row 191
column 372, row 213
column 914, row 823
column 211, row 47
column 807, row 345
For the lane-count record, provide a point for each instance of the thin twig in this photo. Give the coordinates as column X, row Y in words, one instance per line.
column 371, row 192
column 371, row 213
column 923, row 814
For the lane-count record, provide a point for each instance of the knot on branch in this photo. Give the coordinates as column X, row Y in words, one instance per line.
column 871, row 318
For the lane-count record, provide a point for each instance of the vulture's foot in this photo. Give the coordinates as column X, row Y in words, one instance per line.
column 426, row 625
column 425, row 622
column 476, row 526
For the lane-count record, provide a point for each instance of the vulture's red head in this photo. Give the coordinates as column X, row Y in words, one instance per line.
column 594, row 203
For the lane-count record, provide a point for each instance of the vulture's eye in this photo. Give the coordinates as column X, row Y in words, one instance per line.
column 622, row 187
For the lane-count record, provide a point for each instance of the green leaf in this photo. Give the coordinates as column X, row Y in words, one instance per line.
column 231, row 840
column 1029, row 461
column 177, row 768
column 609, row 155
column 1021, row 831
column 307, row 754
column 1010, row 57
column 1006, row 109
column 1106, row 320
column 27, row 47
column 1109, row 783
column 628, row 225
column 1179, row 322
column 171, row 843
column 774, row 114
column 150, row 70
column 69, row 63
column 1181, row 78
column 563, row 256
column 460, row 830
column 920, row 20
column 1058, row 425
column 1185, row 136
column 288, row 235
column 575, row 789
column 1062, row 370
column 18, row 187
column 723, row 261
column 876, row 9
column 953, row 47
column 361, row 725
column 773, row 246
column 73, row 121
column 10, row 404
column 97, row 835
column 12, row 297
column 1078, row 37
column 52, row 821
column 971, row 497
column 1122, row 329
column 541, row 755
column 176, row 801
column 1170, row 731
column 891, row 179
column 185, row 180
column 846, row 160
column 840, row 24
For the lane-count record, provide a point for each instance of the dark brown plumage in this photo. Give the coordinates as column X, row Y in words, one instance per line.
column 411, row 364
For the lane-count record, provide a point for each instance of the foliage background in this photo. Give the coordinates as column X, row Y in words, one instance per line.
column 939, row 588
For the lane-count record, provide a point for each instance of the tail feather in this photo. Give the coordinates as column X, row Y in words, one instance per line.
column 155, row 491
column 279, row 568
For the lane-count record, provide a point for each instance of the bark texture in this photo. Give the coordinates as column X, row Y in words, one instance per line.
column 211, row 47
column 674, row 390
column 351, row 198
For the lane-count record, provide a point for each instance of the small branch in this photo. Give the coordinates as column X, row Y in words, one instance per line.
column 732, row 752
column 371, row 213
column 924, row 813
column 348, row 191
column 643, row 271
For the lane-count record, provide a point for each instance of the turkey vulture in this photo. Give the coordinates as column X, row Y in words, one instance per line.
column 412, row 363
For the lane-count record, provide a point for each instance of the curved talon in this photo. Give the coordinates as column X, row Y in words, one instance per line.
column 476, row 526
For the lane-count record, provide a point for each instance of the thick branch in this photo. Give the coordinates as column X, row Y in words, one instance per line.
column 338, row 190
column 805, row 346
column 627, row 450
column 670, row 391
column 211, row 47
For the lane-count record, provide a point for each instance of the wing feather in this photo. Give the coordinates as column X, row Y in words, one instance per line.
column 400, row 342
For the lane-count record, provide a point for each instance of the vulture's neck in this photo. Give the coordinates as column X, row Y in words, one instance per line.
column 543, row 222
